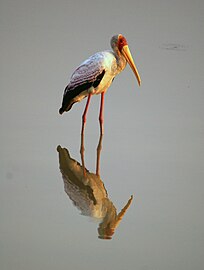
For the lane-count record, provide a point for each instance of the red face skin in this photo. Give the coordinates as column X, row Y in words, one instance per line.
column 121, row 42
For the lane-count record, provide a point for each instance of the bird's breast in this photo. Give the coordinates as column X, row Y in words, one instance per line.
column 109, row 64
column 104, row 84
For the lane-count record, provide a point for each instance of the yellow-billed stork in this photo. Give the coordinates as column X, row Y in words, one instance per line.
column 96, row 74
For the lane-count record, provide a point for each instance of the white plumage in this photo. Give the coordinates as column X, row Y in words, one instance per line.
column 95, row 75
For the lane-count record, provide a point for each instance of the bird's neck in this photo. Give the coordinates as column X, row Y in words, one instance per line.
column 121, row 61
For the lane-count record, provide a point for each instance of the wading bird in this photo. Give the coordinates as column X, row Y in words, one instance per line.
column 96, row 74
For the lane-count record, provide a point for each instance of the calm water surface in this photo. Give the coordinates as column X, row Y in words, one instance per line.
column 51, row 216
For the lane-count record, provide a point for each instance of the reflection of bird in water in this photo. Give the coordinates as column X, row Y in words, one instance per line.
column 95, row 75
column 89, row 195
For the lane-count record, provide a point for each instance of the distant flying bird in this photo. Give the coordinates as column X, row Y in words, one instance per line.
column 96, row 74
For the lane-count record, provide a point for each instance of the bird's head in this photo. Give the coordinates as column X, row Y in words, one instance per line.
column 119, row 43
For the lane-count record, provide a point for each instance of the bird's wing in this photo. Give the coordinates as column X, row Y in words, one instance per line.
column 88, row 73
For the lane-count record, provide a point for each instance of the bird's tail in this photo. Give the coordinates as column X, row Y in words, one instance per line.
column 67, row 101
column 61, row 110
column 70, row 96
column 66, row 108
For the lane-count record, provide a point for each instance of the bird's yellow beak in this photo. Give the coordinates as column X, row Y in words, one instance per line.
column 127, row 54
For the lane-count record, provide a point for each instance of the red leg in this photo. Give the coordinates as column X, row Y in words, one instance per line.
column 82, row 133
column 84, row 114
column 101, row 118
column 82, row 150
column 99, row 148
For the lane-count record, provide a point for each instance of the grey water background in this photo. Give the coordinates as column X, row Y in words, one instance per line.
column 153, row 146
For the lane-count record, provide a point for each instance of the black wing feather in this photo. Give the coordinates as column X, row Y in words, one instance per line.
column 70, row 92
